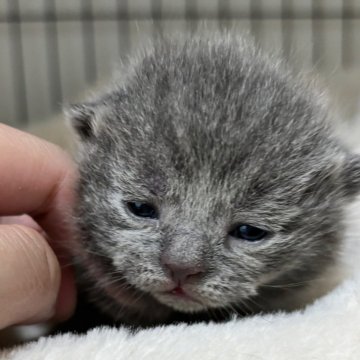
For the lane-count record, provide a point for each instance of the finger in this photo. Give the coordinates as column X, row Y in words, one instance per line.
column 33, row 171
column 65, row 303
column 30, row 276
column 66, row 300
column 37, row 178
column 25, row 220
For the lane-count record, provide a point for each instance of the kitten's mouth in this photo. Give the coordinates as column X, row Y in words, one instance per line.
column 179, row 292
column 181, row 300
column 124, row 294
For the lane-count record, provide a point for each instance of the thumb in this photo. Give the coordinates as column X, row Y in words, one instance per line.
column 29, row 278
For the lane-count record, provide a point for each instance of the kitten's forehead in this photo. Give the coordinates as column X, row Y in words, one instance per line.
column 215, row 120
column 213, row 103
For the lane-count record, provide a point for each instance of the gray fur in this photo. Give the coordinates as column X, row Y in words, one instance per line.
column 214, row 133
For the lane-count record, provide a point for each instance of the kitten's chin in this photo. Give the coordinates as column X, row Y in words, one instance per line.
column 183, row 303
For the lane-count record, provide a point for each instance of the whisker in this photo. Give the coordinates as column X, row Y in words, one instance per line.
column 213, row 314
column 293, row 284
column 234, row 310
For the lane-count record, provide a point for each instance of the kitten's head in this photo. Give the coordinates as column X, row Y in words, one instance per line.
column 206, row 174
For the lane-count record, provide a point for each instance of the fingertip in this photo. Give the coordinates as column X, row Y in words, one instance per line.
column 30, row 276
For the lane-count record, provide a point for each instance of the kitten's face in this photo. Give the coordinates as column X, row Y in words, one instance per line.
column 208, row 176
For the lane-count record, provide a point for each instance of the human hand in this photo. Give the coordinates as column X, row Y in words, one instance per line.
column 36, row 178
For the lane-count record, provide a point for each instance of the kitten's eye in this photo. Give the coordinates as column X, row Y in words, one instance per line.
column 142, row 209
column 248, row 233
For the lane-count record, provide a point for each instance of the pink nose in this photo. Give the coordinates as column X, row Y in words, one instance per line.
column 180, row 273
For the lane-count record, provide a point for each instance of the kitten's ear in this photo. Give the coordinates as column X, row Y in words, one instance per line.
column 352, row 175
column 82, row 119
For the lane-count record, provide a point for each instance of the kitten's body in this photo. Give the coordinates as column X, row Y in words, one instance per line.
column 213, row 134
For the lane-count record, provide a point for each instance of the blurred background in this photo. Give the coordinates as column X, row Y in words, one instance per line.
column 52, row 50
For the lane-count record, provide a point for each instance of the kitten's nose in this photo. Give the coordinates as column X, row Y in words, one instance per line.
column 180, row 273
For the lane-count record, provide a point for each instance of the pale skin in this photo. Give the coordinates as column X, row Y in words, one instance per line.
column 36, row 179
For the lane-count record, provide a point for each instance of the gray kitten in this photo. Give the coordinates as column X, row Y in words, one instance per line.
column 210, row 182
